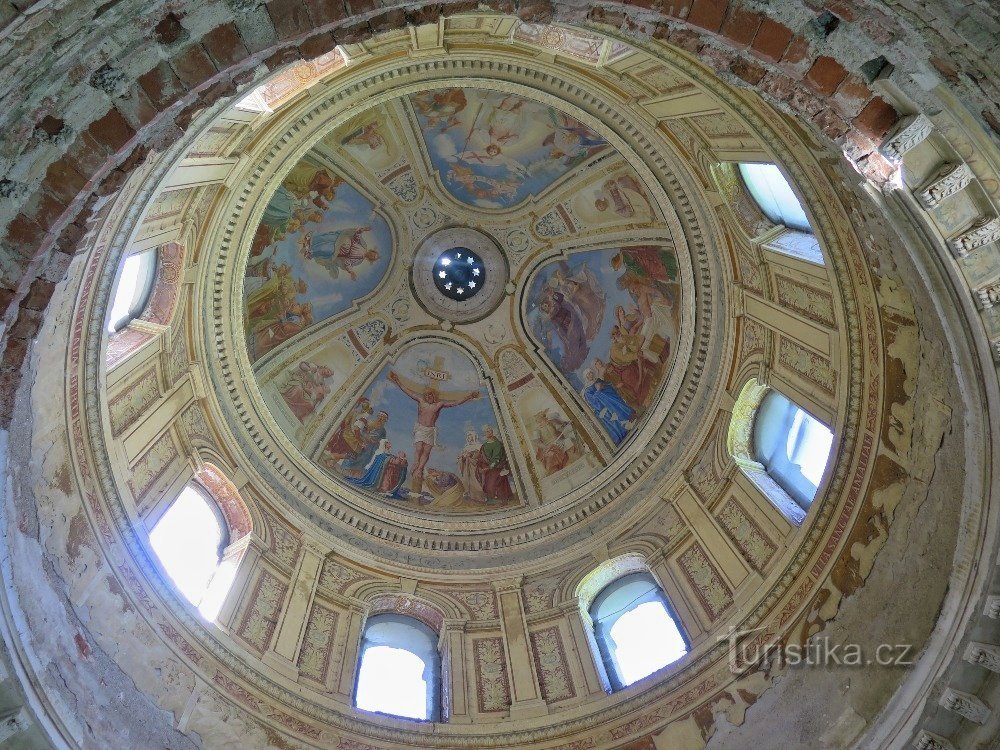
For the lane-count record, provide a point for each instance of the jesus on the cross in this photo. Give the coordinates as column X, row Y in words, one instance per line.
column 430, row 402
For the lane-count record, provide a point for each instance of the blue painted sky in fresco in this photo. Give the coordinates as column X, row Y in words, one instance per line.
column 329, row 295
column 453, row 422
column 536, row 146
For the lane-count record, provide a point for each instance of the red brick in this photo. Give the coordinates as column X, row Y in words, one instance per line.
column 168, row 30
column 606, row 16
column 720, row 59
column 992, row 120
column 193, row 66
column 162, row 86
column 9, row 381
column 25, row 234
column 945, row 68
column 69, row 238
column 778, row 85
column 317, row 44
column 356, row 32
column 224, row 46
column 290, row 18
column 534, row 11
column 825, row 75
column 285, row 56
column 15, row 353
column 685, row 39
column 771, row 40
column 396, row 18
column 424, row 14
column 39, row 294
column 741, row 26
column 63, row 180
column 851, row 96
column 675, row 8
column 112, row 130
column 28, row 322
column 6, row 297
column 46, row 209
column 708, row 14
column 841, row 9
column 876, row 118
column 87, row 155
column 796, row 59
column 832, row 125
column 357, row 7
column 326, row 11
column 748, row 70
column 136, row 107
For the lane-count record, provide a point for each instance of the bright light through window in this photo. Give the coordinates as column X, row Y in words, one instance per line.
column 133, row 288
column 187, row 539
column 391, row 681
column 774, row 195
column 808, row 446
column 646, row 639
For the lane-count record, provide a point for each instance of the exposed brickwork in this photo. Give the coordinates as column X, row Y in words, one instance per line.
column 61, row 154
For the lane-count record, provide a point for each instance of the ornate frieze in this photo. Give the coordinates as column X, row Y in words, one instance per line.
column 966, row 704
column 984, row 654
column 982, row 232
column 132, row 401
column 910, row 132
column 929, row 741
column 950, row 179
column 492, row 685
column 705, row 580
column 551, row 665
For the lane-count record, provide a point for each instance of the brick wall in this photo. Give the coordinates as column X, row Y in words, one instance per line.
column 88, row 89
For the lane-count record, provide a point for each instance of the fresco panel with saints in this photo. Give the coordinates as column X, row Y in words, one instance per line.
column 424, row 435
column 320, row 245
column 493, row 149
column 609, row 320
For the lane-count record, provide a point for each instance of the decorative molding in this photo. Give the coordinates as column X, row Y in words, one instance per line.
column 966, row 704
column 982, row 232
column 988, row 296
column 929, row 741
column 950, row 179
column 992, row 608
column 984, row 654
column 910, row 132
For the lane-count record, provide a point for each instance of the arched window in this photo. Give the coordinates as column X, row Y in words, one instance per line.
column 636, row 629
column 399, row 669
column 132, row 289
column 189, row 540
column 774, row 195
column 792, row 446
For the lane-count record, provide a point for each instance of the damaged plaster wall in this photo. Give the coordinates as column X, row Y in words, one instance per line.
column 904, row 566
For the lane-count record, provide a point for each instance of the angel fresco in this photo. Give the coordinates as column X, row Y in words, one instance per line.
column 440, row 107
column 493, row 149
column 340, row 250
column 320, row 245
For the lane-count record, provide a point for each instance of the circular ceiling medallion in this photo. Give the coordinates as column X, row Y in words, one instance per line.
column 459, row 274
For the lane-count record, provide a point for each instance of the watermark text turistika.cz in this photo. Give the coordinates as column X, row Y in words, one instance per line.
column 746, row 651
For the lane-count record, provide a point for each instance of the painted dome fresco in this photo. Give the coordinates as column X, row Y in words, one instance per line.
column 463, row 300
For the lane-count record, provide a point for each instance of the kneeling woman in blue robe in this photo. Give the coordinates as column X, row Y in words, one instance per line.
column 610, row 408
column 385, row 473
